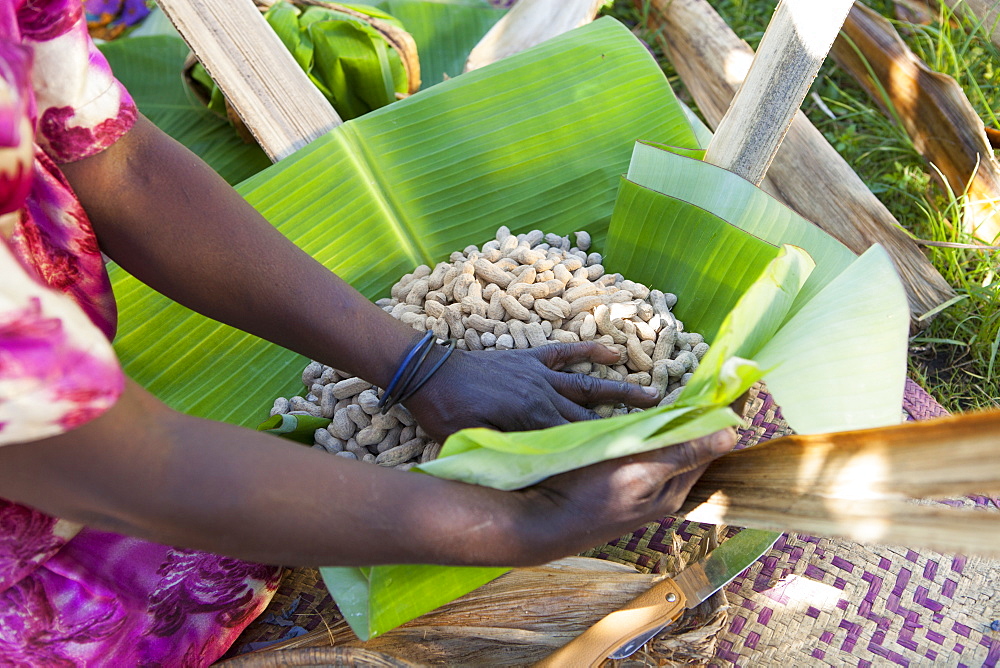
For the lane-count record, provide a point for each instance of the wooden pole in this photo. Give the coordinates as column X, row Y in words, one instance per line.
column 794, row 47
column 257, row 74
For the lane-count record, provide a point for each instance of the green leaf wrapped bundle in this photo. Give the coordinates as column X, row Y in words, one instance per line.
column 359, row 57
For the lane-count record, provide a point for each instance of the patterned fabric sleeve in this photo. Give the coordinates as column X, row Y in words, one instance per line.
column 81, row 108
column 57, row 370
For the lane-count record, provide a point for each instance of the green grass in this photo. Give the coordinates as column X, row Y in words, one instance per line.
column 956, row 356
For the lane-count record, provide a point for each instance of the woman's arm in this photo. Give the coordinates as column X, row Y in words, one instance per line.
column 169, row 220
column 145, row 470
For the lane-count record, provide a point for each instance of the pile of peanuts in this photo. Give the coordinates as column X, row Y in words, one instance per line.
column 517, row 291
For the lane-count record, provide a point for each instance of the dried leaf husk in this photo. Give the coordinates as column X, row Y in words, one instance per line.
column 932, row 108
column 862, row 484
column 526, row 614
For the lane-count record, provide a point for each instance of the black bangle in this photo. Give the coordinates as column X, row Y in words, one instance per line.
column 444, row 358
column 424, row 348
column 391, row 387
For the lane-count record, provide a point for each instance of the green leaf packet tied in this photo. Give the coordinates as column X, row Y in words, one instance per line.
column 349, row 61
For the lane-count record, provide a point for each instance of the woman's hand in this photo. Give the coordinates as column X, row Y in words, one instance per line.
column 601, row 502
column 519, row 390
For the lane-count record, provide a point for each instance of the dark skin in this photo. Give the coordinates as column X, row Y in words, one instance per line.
column 145, row 470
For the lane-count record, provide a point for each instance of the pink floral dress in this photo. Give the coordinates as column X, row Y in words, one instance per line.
column 70, row 595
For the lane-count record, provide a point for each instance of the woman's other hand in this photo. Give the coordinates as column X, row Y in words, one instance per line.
column 520, row 390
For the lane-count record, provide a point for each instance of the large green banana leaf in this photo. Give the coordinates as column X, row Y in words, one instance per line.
column 536, row 141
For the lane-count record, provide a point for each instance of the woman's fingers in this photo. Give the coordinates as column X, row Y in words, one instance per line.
column 590, row 391
column 559, row 355
column 587, row 390
column 573, row 412
column 692, row 455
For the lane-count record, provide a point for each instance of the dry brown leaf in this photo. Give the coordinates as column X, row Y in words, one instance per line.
column 527, row 613
column 862, row 485
column 933, row 110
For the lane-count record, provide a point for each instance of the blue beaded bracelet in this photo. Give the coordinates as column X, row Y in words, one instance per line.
column 444, row 358
column 402, row 385
column 414, row 351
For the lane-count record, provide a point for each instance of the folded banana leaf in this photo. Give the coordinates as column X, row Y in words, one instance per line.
column 540, row 140
column 536, row 141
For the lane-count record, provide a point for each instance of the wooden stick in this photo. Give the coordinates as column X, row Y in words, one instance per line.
column 794, row 47
column 807, row 173
column 257, row 74
column 528, row 23
column 861, row 485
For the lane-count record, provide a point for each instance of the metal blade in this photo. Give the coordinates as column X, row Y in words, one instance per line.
column 705, row 577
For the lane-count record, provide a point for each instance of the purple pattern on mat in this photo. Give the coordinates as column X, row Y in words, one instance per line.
column 921, row 598
column 842, row 564
column 725, row 651
column 902, row 580
column 994, row 656
column 853, row 633
column 958, row 563
column 815, row 572
column 890, row 624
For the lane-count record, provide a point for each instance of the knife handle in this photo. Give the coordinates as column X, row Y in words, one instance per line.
column 659, row 605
